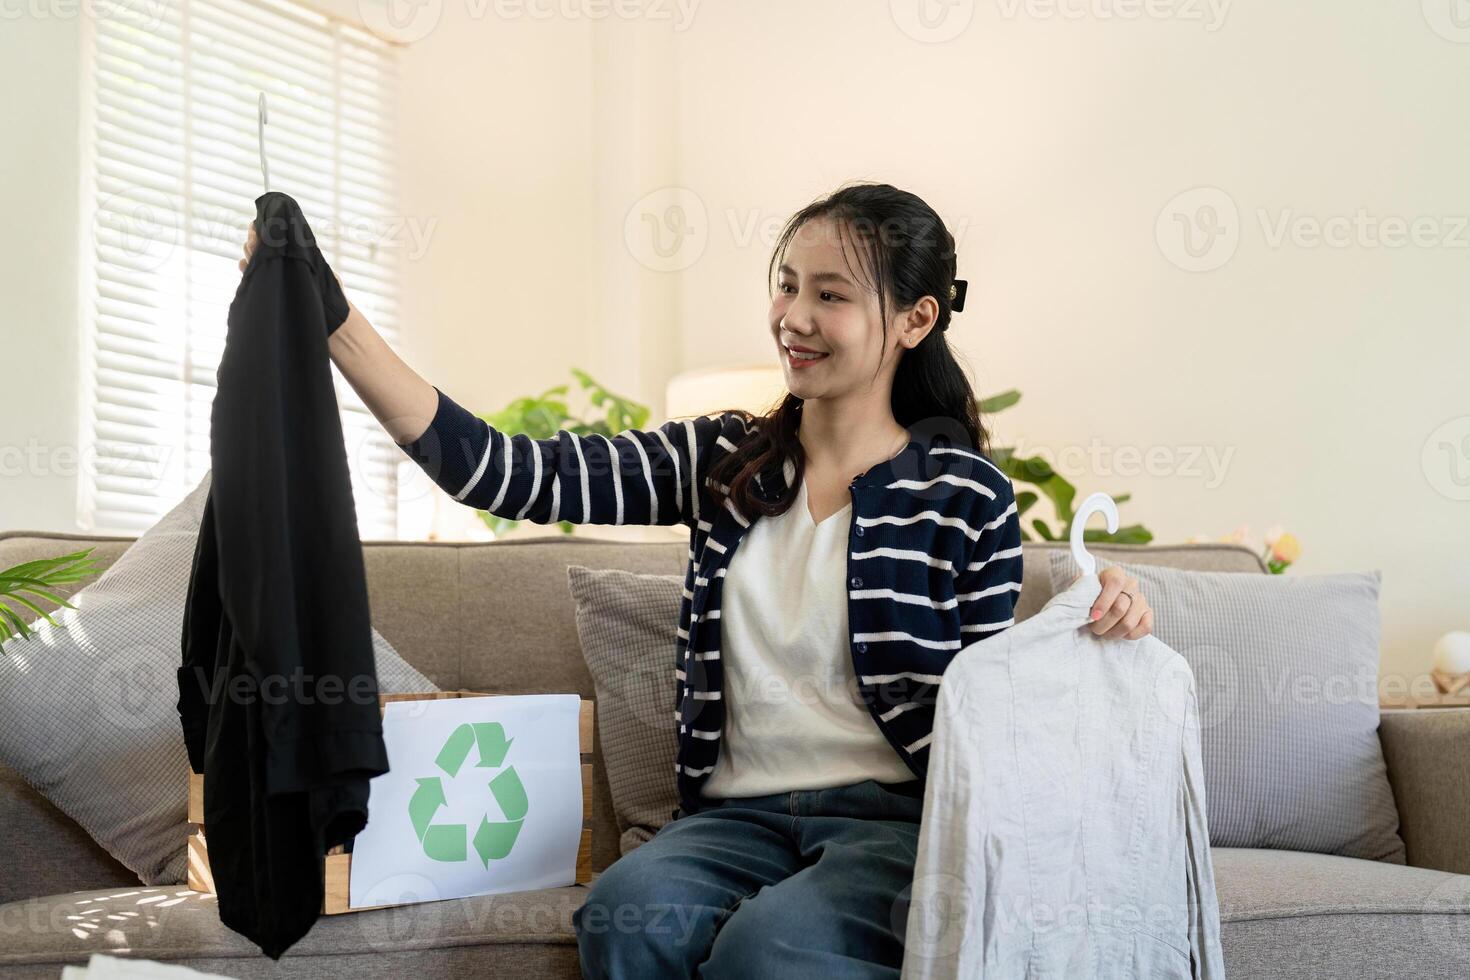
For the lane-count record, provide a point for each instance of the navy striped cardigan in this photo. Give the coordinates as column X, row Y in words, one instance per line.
column 934, row 551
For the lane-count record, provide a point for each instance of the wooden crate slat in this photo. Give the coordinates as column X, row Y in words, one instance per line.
column 199, row 878
column 196, row 798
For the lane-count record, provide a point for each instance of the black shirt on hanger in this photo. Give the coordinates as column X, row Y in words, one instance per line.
column 277, row 686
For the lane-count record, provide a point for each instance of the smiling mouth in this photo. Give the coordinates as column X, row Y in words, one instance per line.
column 800, row 359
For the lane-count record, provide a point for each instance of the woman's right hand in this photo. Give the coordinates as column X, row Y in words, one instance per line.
column 403, row 402
column 251, row 240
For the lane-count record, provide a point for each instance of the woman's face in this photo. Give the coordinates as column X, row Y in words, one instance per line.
column 819, row 305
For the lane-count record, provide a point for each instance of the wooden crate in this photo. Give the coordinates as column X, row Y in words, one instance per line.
column 339, row 862
column 1452, row 685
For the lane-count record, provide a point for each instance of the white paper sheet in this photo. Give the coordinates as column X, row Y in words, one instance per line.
column 442, row 822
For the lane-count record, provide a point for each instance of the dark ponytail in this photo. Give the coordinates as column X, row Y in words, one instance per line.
column 908, row 253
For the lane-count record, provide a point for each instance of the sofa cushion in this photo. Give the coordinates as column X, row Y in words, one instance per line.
column 1287, row 673
column 90, row 705
column 1214, row 556
column 627, row 624
column 520, row 934
column 1291, row 914
column 1284, row 915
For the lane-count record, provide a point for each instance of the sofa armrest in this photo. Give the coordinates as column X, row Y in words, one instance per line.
column 1427, row 751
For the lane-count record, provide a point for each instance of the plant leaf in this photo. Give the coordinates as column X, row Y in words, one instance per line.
column 39, row 577
column 17, row 597
column 44, row 594
column 49, row 568
column 20, row 625
column 996, row 403
column 1132, row 534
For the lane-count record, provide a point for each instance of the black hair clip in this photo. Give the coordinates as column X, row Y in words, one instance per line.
column 957, row 295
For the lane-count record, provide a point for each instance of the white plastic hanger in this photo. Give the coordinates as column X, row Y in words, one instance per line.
column 1094, row 504
column 265, row 173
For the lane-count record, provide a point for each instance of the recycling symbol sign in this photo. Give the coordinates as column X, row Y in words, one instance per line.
column 491, row 839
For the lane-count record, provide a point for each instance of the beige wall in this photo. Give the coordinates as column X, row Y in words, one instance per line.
column 39, row 254
column 1316, row 386
column 1287, row 382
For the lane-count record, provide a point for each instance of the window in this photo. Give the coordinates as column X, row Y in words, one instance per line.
column 175, row 170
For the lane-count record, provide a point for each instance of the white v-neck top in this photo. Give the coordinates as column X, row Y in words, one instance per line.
column 793, row 719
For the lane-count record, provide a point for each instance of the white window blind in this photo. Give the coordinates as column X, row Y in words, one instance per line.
column 176, row 170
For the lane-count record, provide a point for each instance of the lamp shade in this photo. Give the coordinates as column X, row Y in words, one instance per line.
column 754, row 387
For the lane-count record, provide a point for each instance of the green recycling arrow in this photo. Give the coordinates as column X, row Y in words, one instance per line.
column 488, row 735
column 445, row 842
column 428, row 798
column 492, row 840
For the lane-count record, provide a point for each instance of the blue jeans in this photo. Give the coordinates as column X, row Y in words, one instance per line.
column 808, row 883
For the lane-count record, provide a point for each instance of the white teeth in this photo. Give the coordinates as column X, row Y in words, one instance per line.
column 805, row 357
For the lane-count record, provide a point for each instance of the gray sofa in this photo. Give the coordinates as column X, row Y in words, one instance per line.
column 474, row 616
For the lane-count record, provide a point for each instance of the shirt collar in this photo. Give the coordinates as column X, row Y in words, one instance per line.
column 1080, row 595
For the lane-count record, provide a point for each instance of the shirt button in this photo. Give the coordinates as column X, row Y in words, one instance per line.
column 857, row 583
column 860, row 531
column 862, row 648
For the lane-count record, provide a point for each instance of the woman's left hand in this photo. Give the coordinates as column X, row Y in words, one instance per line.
column 1120, row 611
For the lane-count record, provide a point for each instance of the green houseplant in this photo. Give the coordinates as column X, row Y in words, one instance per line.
column 1038, row 473
column 541, row 416
column 39, row 578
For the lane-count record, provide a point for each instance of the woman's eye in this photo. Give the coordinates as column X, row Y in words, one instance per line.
column 824, row 294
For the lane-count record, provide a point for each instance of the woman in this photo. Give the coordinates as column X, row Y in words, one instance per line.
column 807, row 669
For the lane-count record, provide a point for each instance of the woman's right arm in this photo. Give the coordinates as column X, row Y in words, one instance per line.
column 634, row 477
column 402, row 402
